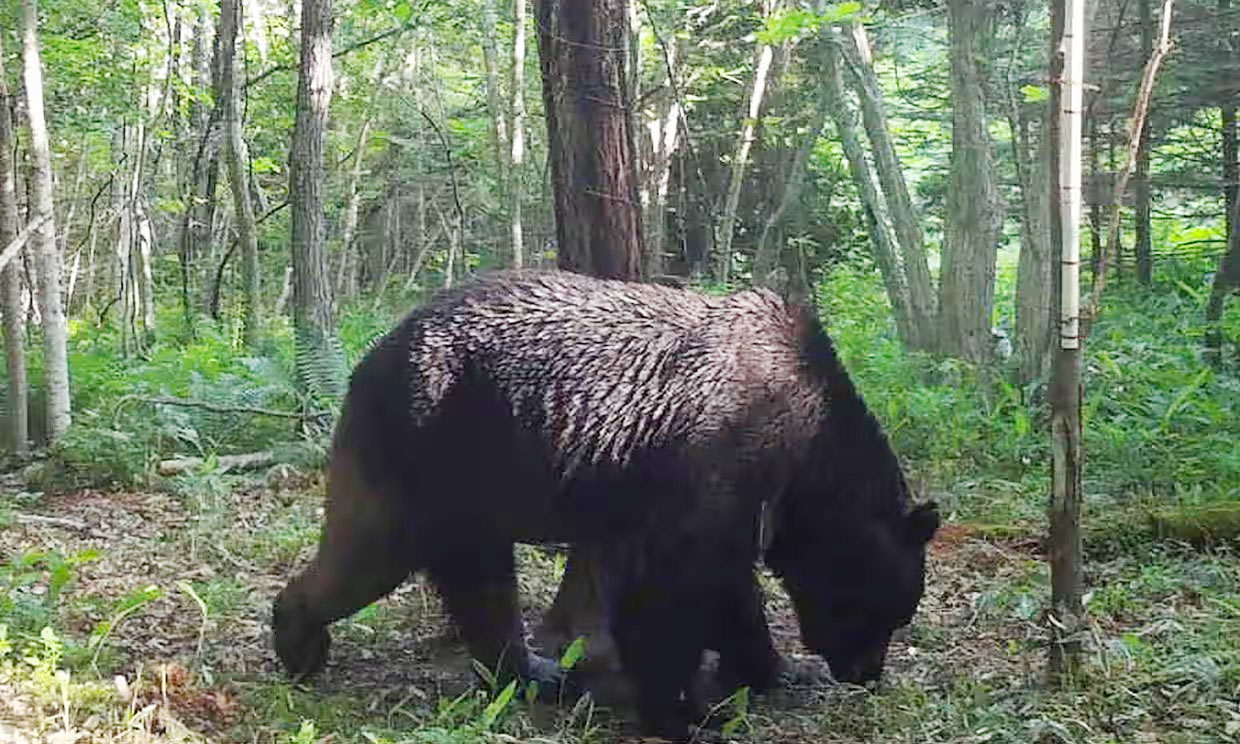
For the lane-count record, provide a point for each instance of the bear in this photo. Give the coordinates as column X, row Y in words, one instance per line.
column 663, row 431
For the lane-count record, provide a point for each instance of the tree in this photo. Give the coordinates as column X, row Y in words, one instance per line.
column 238, row 160
column 1227, row 277
column 582, row 49
column 1068, row 67
column 974, row 217
column 10, row 278
column 318, row 356
column 55, row 326
column 516, row 160
column 1144, row 247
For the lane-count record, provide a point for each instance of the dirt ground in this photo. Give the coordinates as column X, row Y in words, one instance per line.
column 213, row 676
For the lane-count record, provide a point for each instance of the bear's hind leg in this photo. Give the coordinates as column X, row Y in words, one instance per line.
column 477, row 581
column 659, row 632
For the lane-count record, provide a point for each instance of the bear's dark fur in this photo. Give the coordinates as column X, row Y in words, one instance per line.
column 650, row 424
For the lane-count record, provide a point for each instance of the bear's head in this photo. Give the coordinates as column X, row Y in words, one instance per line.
column 850, row 548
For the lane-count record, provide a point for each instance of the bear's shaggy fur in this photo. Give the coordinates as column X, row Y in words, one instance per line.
column 649, row 424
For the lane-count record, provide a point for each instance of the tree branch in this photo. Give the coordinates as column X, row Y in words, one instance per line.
column 15, row 246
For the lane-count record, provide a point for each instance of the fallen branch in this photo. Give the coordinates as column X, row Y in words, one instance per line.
column 72, row 524
column 206, row 406
column 180, row 465
column 16, row 244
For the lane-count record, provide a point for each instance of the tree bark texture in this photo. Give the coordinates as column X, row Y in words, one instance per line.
column 1035, row 270
column 312, row 304
column 238, row 158
column 582, row 49
column 51, row 307
column 906, row 223
column 10, row 281
column 974, row 218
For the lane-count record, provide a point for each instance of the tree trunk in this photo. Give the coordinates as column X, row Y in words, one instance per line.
column 904, row 218
column 589, row 134
column 238, row 158
column 845, row 117
column 319, row 358
column 763, row 55
column 517, row 154
column 1227, row 277
column 1035, row 276
column 1144, row 247
column 55, row 327
column 346, row 277
column 10, row 280
column 1068, row 27
column 495, row 97
column 1095, row 205
column 974, row 219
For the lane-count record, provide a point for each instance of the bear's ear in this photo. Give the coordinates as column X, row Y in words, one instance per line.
column 923, row 522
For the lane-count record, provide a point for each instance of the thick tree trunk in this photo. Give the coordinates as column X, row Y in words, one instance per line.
column 1034, row 277
column 238, row 158
column 55, row 327
column 905, row 221
column 517, row 153
column 589, row 133
column 845, row 117
column 1144, row 247
column 763, row 56
column 974, row 219
column 318, row 357
column 10, row 281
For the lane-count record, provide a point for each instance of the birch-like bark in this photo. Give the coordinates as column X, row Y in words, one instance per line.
column 517, row 154
column 55, row 326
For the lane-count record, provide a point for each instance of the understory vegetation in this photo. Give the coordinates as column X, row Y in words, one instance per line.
column 135, row 607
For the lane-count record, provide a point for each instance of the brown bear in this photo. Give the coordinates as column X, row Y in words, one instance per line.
column 654, row 427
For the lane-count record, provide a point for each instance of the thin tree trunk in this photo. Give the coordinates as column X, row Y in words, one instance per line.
column 905, row 221
column 767, row 250
column 10, row 280
column 312, row 317
column 495, row 97
column 1144, row 247
column 517, row 154
column 346, row 277
column 598, row 215
column 238, row 158
column 55, row 327
column 763, row 56
column 1227, row 277
column 845, row 117
column 664, row 132
column 1095, row 204
column 1068, row 24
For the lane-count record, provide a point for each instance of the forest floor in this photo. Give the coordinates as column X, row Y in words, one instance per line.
column 159, row 605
